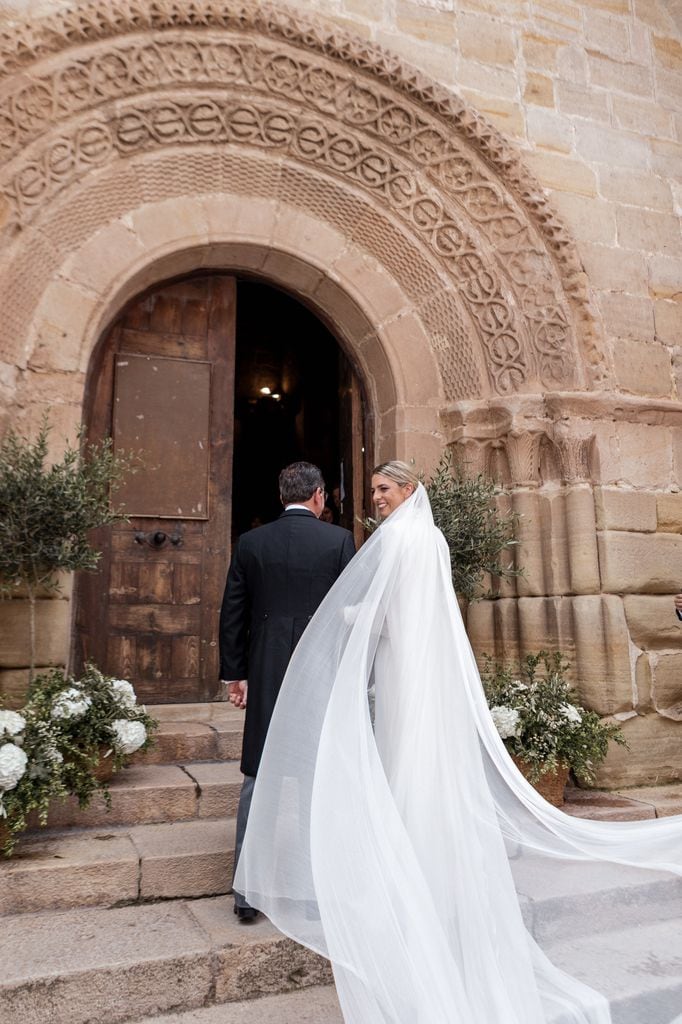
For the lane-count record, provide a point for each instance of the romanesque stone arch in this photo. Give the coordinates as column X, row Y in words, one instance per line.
column 113, row 106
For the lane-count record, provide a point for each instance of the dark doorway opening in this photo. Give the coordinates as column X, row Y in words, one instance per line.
column 218, row 382
column 289, row 382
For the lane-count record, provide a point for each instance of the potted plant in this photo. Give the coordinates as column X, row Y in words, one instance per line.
column 543, row 724
column 30, row 773
column 47, row 511
column 67, row 740
column 477, row 533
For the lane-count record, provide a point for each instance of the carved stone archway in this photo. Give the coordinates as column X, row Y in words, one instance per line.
column 94, row 97
column 141, row 141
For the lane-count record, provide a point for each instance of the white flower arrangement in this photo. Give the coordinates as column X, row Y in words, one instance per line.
column 11, row 723
column 13, row 761
column 571, row 714
column 124, row 692
column 70, row 703
column 128, row 736
column 507, row 721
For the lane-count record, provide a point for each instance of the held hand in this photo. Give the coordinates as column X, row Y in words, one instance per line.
column 236, row 690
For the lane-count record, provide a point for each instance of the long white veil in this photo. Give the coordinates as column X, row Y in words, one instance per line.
column 409, row 851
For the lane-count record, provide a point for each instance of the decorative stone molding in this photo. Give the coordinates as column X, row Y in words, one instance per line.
column 574, row 451
column 248, row 75
column 523, row 453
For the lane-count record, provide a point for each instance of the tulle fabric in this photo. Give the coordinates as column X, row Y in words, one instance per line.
column 395, row 848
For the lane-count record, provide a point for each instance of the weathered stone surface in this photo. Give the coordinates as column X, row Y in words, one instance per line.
column 640, row 563
column 666, row 800
column 667, row 685
column 178, row 742
column 219, row 785
column 266, row 963
column 13, row 687
column 644, row 458
column 642, row 368
column 315, row 1005
column 184, row 859
column 602, row 656
column 652, row 621
column 599, row 805
column 102, row 964
column 142, row 794
column 653, row 757
column 669, row 509
column 53, row 623
column 620, row 509
column 62, row 872
column 581, row 541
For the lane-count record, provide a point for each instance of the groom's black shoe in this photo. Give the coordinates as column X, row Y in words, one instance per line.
column 246, row 914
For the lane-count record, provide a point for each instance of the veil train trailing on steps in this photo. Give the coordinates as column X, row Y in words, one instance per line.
column 403, row 851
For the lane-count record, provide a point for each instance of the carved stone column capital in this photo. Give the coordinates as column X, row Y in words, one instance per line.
column 523, row 453
column 473, row 455
column 574, row 451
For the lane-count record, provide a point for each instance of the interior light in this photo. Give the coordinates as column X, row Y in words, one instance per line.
column 265, row 391
column 276, row 396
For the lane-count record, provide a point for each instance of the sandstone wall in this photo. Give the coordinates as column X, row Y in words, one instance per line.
column 590, row 94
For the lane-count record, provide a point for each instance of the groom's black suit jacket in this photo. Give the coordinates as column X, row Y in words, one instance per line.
column 278, row 576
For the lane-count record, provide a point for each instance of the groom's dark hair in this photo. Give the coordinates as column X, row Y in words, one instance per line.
column 299, row 481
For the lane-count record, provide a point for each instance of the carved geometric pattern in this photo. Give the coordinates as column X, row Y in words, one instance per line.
column 159, row 122
column 383, row 127
column 450, row 337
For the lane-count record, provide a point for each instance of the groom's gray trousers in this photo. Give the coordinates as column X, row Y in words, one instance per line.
column 242, row 817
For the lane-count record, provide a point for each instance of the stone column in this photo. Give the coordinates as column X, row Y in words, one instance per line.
column 523, row 454
column 581, row 522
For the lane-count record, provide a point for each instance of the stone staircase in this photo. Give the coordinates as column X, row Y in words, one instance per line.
column 124, row 915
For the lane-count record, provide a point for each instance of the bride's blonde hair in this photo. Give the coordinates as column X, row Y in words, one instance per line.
column 399, row 471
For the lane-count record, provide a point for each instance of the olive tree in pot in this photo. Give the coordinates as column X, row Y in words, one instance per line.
column 47, row 511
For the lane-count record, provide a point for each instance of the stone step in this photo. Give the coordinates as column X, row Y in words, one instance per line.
column 634, row 804
column 643, row 989
column 60, row 871
column 120, row 964
column 194, row 732
column 143, row 794
column 315, row 1005
column 570, row 900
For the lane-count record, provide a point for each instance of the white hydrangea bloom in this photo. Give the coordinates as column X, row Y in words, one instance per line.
column 507, row 721
column 70, row 703
column 13, row 761
column 570, row 712
column 124, row 691
column 128, row 736
column 11, row 723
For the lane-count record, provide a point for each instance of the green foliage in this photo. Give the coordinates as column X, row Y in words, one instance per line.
column 41, row 783
column 70, row 726
column 540, row 719
column 46, row 512
column 478, row 534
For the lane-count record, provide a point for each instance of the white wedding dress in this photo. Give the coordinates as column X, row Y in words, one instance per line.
column 393, row 850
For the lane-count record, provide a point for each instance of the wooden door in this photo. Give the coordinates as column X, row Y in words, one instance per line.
column 352, row 469
column 163, row 385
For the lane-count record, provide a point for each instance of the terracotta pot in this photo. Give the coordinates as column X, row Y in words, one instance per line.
column 550, row 785
column 105, row 766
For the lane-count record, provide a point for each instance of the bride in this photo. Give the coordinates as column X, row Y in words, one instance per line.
column 396, row 848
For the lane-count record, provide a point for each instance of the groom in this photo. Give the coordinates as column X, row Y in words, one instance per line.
column 278, row 576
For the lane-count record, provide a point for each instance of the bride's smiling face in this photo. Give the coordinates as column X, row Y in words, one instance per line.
column 387, row 494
